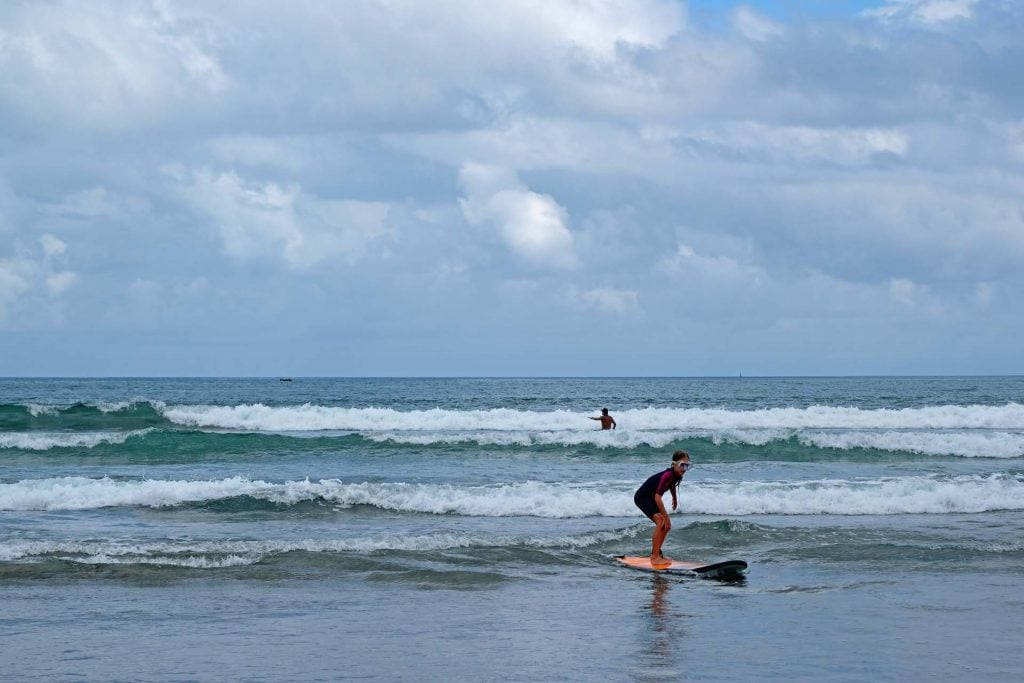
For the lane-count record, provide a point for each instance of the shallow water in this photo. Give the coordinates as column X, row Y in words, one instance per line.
column 452, row 529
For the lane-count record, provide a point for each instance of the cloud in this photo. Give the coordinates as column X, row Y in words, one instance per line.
column 101, row 65
column 816, row 174
column 909, row 295
column 534, row 227
column 984, row 293
column 24, row 275
column 94, row 202
column 260, row 68
column 52, row 246
column 270, row 223
column 718, row 271
column 15, row 279
column 772, row 144
column 755, row 25
column 929, row 12
column 60, row 282
column 604, row 299
column 599, row 28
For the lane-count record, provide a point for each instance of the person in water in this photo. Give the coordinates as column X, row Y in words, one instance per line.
column 648, row 499
column 606, row 420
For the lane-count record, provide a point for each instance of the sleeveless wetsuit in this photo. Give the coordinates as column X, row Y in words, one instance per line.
column 656, row 484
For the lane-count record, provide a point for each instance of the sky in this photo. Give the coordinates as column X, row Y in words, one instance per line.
column 517, row 188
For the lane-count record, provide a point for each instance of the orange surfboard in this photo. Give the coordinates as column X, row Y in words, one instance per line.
column 728, row 569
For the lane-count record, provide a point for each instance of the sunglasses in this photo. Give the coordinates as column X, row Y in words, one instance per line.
column 683, row 465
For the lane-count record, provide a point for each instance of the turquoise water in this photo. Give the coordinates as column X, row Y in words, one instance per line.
column 431, row 529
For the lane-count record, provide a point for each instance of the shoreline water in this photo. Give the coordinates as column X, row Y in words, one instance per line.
column 388, row 529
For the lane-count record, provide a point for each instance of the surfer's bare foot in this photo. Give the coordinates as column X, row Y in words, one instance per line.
column 660, row 561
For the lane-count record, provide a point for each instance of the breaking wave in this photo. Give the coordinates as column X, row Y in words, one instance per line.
column 931, row 494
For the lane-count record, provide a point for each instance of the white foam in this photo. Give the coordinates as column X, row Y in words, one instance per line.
column 888, row 496
column 897, row 495
column 83, row 493
column 115, row 406
column 229, row 553
column 968, row 431
column 258, row 417
column 974, row 444
column 36, row 409
column 192, row 561
column 42, row 441
column 611, row 439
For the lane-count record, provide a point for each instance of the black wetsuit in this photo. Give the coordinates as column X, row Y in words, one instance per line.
column 656, row 484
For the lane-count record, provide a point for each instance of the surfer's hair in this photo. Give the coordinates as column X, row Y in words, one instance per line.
column 679, row 455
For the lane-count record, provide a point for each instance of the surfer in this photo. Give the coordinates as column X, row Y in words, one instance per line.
column 606, row 420
column 648, row 499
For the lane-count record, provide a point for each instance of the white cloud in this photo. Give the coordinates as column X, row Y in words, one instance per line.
column 15, row 279
column 60, row 282
column 764, row 143
column 98, row 64
column 755, row 25
column 52, row 246
column 712, row 271
column 27, row 273
column 289, row 154
column 95, row 202
column 268, row 222
column 604, row 299
column 925, row 11
column 597, row 27
column 533, row 226
column 911, row 296
column 984, row 294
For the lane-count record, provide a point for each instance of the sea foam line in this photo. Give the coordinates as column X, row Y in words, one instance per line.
column 227, row 553
column 882, row 496
column 966, row 444
column 43, row 441
column 963, row 431
column 259, row 417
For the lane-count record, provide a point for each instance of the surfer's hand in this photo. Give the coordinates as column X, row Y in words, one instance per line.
column 674, row 505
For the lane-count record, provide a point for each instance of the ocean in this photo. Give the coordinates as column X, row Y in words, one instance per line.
column 462, row 529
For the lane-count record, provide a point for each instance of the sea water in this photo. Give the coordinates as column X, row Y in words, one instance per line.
column 458, row 529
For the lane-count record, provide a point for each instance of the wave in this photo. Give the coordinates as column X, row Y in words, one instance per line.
column 233, row 553
column 81, row 416
column 941, row 443
column 314, row 418
column 923, row 431
column 932, row 494
column 958, row 431
column 259, row 417
column 43, row 441
column 844, row 544
column 782, row 445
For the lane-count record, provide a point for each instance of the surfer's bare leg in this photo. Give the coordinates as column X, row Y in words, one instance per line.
column 662, row 525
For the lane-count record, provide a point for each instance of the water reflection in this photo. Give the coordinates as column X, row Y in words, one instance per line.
column 665, row 634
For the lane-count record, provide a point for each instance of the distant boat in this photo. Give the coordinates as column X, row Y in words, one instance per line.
column 286, row 379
